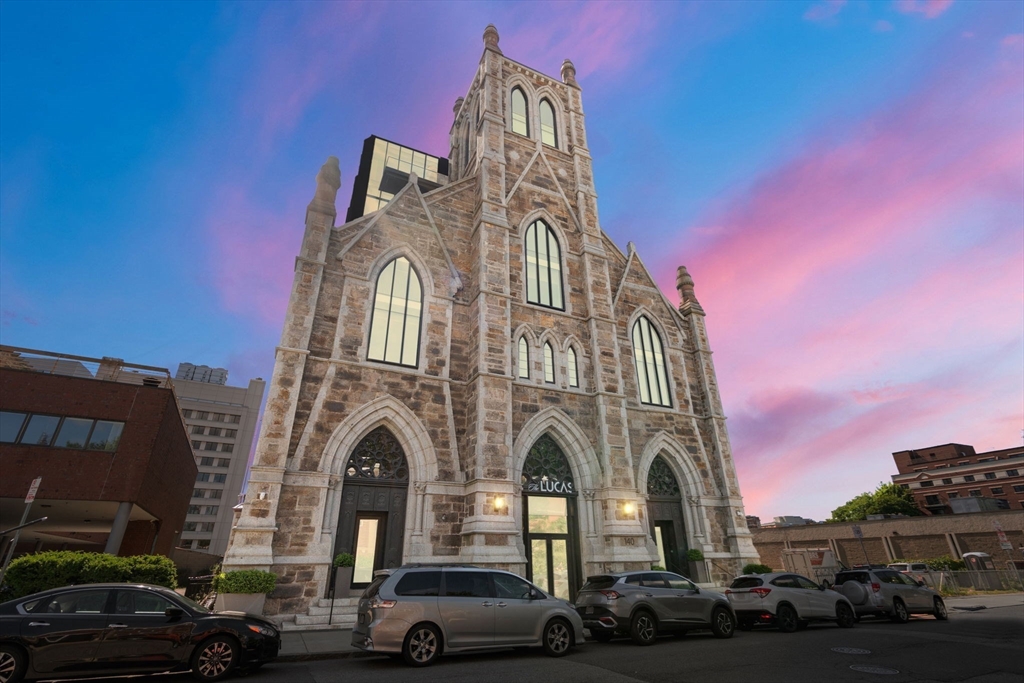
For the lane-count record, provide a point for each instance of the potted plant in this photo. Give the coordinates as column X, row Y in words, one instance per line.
column 244, row 590
column 343, row 565
column 696, row 559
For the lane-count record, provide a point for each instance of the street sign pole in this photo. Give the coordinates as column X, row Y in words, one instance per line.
column 858, row 534
column 1005, row 544
column 24, row 517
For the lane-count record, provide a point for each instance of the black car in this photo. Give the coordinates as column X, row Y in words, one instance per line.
column 108, row 629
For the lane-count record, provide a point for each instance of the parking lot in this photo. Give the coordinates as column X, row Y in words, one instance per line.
column 981, row 646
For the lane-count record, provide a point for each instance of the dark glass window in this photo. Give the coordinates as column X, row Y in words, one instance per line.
column 40, row 430
column 677, row 583
column 990, row 475
column 10, row 425
column 653, row 580
column 543, row 266
column 419, row 583
column 395, row 328
column 1018, row 488
column 510, row 587
column 105, row 435
column 547, row 124
column 785, row 582
column 524, row 358
column 520, row 121
column 570, row 365
column 549, row 364
column 649, row 357
column 747, row 582
column 996, row 490
column 459, row 584
column 968, row 477
column 932, row 500
column 1012, row 473
column 599, row 583
column 947, row 482
column 75, row 602
column 926, row 484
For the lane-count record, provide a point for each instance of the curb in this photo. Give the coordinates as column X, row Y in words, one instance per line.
column 315, row 656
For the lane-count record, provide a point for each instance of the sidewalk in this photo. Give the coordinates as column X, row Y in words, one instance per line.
column 969, row 603
column 304, row 645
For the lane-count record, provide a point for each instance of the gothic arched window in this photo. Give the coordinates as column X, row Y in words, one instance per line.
column 524, row 358
column 570, row 365
column 395, row 327
column 548, row 134
column 547, row 470
column 378, row 457
column 520, row 121
column 661, row 481
column 543, row 266
column 549, row 364
column 649, row 357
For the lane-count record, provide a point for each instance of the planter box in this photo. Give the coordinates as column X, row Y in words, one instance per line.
column 698, row 572
column 342, row 581
column 250, row 603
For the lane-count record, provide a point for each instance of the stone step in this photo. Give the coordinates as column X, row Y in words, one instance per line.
column 315, row 611
column 338, row 602
column 289, row 626
column 341, row 621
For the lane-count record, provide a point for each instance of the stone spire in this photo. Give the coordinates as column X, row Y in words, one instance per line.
column 684, row 283
column 569, row 74
column 328, row 180
column 458, row 105
column 491, row 39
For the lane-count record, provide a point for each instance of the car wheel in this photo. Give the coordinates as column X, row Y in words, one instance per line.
column 844, row 615
column 601, row 636
column 215, row 658
column 12, row 664
column 643, row 629
column 787, row 620
column 557, row 638
column 900, row 615
column 422, row 645
column 723, row 624
column 940, row 610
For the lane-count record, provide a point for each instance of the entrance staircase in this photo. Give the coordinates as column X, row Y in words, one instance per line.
column 316, row 619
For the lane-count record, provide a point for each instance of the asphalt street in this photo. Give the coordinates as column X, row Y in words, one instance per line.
column 985, row 646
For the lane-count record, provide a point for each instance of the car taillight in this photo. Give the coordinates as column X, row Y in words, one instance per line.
column 876, row 587
column 611, row 595
column 383, row 604
column 761, row 592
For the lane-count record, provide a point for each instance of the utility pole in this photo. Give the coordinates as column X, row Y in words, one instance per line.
column 24, row 517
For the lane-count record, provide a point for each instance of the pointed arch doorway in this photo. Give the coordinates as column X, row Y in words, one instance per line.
column 665, row 510
column 550, row 520
column 371, row 522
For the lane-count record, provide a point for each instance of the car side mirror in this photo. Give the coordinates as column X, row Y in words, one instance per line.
column 920, row 583
column 824, row 586
column 535, row 594
column 174, row 612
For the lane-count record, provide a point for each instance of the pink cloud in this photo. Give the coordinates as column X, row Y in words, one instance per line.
column 929, row 8
column 880, row 272
column 824, row 11
column 1013, row 40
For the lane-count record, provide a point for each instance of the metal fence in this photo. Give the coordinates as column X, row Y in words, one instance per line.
column 953, row 583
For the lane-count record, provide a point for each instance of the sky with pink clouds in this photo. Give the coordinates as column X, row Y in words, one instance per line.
column 844, row 179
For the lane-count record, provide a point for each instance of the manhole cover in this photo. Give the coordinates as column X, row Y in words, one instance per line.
column 851, row 651
column 881, row 670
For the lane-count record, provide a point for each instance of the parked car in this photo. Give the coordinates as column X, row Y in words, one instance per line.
column 918, row 571
column 789, row 601
column 419, row 612
column 642, row 604
column 886, row 592
column 108, row 629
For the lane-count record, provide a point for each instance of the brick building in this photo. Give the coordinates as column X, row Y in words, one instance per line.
column 940, row 474
column 108, row 440
column 477, row 373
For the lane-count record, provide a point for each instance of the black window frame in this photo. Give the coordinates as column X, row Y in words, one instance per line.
column 550, row 237
column 640, row 361
column 554, row 121
column 512, row 110
column 405, row 317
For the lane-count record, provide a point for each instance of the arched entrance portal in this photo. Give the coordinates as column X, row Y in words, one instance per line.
column 665, row 509
column 550, row 520
column 372, row 516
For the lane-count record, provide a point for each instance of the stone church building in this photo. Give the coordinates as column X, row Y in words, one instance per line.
column 476, row 373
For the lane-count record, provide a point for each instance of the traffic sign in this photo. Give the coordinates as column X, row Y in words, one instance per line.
column 857, row 533
column 32, row 489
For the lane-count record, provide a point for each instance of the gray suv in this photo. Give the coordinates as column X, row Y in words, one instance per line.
column 644, row 603
column 420, row 611
column 886, row 592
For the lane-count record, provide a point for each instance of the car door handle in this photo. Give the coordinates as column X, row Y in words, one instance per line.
column 502, row 604
column 38, row 623
column 117, row 625
column 648, row 595
column 487, row 604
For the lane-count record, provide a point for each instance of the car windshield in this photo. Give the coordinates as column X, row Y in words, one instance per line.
column 747, row 582
column 599, row 583
column 371, row 590
column 859, row 577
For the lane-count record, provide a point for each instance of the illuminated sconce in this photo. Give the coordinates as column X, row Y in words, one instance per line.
column 499, row 503
column 628, row 508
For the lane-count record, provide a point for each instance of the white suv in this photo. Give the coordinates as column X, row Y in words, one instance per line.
column 882, row 591
column 787, row 600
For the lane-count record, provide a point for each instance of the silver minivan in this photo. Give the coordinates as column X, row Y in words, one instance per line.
column 422, row 611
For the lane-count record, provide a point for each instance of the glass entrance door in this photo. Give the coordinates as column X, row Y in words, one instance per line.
column 369, row 547
column 551, row 544
column 668, row 555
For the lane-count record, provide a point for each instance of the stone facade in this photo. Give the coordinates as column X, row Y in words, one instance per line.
column 463, row 416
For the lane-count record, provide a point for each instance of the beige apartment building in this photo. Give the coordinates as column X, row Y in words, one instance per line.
column 221, row 421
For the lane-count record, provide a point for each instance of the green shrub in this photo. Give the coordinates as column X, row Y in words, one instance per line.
column 754, row 568
column 344, row 560
column 944, row 563
column 657, row 568
column 245, row 581
column 694, row 555
column 56, row 568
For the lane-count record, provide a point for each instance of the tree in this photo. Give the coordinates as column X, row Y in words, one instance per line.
column 887, row 499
